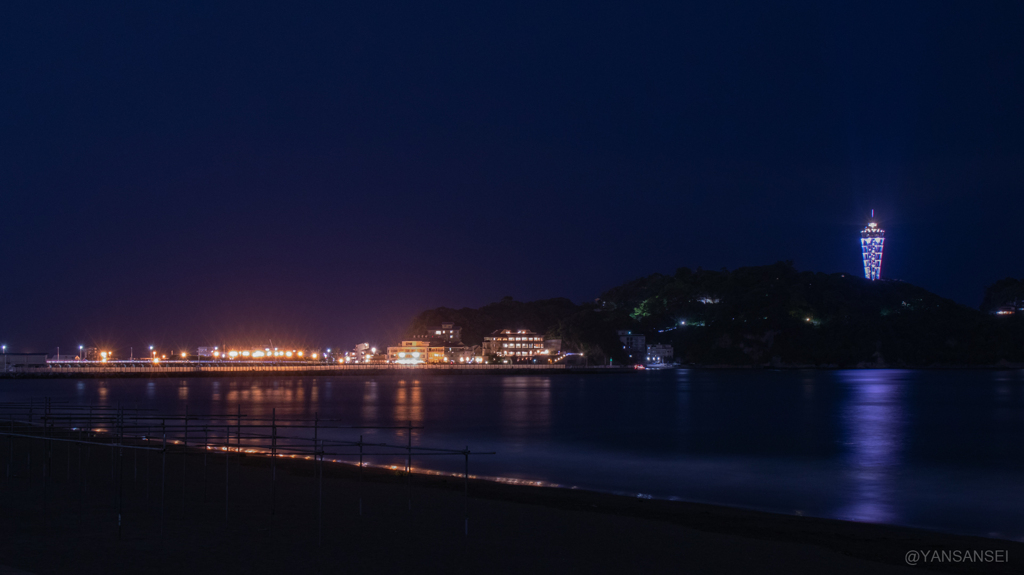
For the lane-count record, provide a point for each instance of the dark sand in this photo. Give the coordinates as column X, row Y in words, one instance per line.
column 53, row 527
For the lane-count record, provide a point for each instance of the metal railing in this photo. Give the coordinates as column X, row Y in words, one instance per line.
column 121, row 430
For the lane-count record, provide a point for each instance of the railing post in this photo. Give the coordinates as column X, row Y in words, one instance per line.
column 227, row 470
column 184, row 458
column 163, row 476
column 316, row 473
column 113, row 449
column 88, row 467
column 69, row 456
column 320, row 499
column 10, row 447
column 408, row 466
column 135, row 453
column 120, row 472
column 46, row 444
column 46, row 454
column 80, row 473
column 206, row 455
column 465, row 492
column 273, row 464
column 28, row 444
column 360, row 475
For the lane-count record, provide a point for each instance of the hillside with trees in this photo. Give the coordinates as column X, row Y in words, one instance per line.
column 1007, row 293
column 770, row 315
column 539, row 316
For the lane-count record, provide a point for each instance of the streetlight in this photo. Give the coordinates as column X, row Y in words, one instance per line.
column 80, row 352
column 5, row 357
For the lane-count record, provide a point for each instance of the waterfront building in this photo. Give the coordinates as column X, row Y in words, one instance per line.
column 659, row 353
column 872, row 239
column 362, row 352
column 519, row 344
column 456, row 353
column 419, row 351
column 553, row 346
column 246, row 353
column 447, row 332
column 412, row 352
column 634, row 344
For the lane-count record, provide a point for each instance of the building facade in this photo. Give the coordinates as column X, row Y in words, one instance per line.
column 415, row 352
column 518, row 344
column 872, row 240
column 659, row 353
column 447, row 333
column 634, row 344
column 410, row 352
column 459, row 353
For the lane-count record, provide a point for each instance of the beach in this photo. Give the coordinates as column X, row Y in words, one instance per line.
column 247, row 523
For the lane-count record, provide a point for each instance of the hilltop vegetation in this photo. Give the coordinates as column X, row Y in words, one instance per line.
column 1005, row 293
column 778, row 315
column 538, row 316
column 765, row 315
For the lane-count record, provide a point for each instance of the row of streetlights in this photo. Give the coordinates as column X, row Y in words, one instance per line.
column 81, row 354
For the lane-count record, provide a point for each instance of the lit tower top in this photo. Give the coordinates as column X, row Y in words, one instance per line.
column 871, row 241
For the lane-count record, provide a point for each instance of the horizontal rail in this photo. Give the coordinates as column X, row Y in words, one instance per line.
column 67, row 440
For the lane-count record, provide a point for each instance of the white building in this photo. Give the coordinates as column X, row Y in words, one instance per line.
column 659, row 353
column 520, row 344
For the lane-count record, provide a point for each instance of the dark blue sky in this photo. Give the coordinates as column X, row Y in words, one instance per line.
column 187, row 174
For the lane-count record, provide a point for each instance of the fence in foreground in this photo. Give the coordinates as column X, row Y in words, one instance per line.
column 119, row 436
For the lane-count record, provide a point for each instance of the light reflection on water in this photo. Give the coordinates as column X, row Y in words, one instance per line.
column 408, row 405
column 873, row 420
column 525, row 404
column 369, row 408
column 936, row 449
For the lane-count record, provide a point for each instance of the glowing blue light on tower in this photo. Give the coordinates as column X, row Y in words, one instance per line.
column 872, row 238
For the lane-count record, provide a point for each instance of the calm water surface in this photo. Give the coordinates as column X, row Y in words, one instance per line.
column 935, row 449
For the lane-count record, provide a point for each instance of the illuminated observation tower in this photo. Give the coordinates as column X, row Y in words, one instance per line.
column 871, row 240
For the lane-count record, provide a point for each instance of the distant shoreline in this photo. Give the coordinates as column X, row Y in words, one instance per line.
column 305, row 371
column 165, row 373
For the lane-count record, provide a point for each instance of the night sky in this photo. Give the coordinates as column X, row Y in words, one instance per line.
column 182, row 174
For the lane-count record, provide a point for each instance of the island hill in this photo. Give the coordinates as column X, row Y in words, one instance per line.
column 768, row 316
